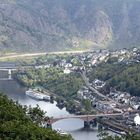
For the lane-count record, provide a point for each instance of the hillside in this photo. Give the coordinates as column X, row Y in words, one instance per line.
column 46, row 25
column 16, row 125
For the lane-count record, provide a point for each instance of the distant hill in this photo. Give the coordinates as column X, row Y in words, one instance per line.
column 48, row 25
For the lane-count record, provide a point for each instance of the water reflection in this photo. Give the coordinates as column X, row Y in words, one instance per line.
column 69, row 124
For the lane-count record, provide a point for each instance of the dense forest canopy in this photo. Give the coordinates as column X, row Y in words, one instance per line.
column 52, row 79
column 123, row 77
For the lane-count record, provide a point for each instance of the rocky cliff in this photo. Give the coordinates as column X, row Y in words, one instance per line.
column 48, row 25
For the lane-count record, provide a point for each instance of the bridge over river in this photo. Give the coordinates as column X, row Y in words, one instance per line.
column 10, row 69
column 106, row 120
column 88, row 119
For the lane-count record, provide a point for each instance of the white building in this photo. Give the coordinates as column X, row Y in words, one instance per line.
column 67, row 71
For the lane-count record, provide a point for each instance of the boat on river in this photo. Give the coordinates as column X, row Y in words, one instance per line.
column 61, row 132
column 37, row 95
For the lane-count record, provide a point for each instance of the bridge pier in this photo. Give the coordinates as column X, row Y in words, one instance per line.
column 100, row 126
column 93, row 123
column 9, row 72
column 90, row 124
column 86, row 124
column 49, row 125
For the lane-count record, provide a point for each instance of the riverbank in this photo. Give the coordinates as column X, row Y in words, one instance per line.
column 73, row 107
column 17, row 118
column 73, row 126
column 63, row 87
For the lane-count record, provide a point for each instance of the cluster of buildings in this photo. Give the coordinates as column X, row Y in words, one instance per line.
column 87, row 60
column 94, row 58
column 85, row 93
column 131, row 102
column 106, row 107
column 120, row 97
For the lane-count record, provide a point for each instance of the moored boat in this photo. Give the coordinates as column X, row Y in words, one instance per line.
column 61, row 132
column 37, row 95
column 47, row 98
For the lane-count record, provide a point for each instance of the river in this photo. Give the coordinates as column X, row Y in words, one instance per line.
column 73, row 126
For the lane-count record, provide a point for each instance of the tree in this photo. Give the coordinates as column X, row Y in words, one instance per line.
column 87, row 105
column 36, row 114
column 15, row 124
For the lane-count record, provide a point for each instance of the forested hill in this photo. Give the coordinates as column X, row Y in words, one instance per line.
column 48, row 25
column 126, row 77
column 16, row 125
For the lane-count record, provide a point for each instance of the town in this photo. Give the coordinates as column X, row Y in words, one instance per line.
column 91, row 95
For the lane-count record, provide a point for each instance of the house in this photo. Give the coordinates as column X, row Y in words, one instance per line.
column 68, row 65
column 98, row 83
column 67, row 71
column 80, row 94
